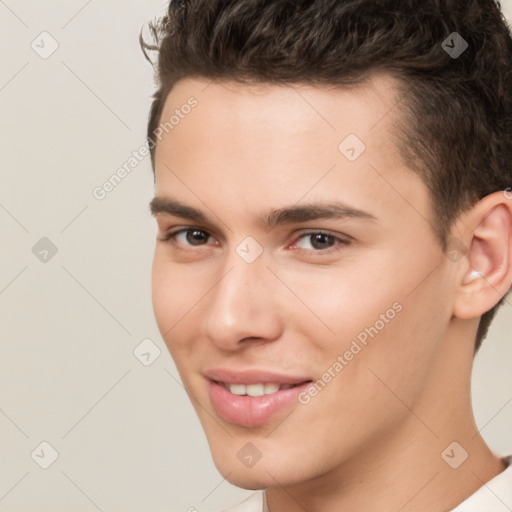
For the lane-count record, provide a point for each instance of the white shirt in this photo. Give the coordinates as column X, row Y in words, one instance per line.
column 494, row 496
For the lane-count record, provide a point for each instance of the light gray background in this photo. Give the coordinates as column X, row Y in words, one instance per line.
column 126, row 434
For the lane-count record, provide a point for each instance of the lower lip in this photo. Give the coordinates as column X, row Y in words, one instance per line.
column 251, row 411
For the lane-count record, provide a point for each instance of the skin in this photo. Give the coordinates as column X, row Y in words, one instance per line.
column 374, row 435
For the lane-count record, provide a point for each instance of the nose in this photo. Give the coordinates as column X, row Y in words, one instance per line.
column 243, row 306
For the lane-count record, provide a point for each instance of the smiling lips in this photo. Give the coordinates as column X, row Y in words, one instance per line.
column 251, row 398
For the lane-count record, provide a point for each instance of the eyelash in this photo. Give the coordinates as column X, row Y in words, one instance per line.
column 170, row 237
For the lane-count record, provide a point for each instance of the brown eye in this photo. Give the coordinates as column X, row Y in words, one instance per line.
column 316, row 241
column 321, row 241
column 196, row 236
column 187, row 237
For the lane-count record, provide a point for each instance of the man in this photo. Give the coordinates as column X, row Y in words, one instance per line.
column 334, row 238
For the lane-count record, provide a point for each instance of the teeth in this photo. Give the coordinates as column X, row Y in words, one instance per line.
column 271, row 388
column 237, row 389
column 255, row 389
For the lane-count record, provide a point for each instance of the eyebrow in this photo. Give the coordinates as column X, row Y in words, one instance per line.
column 285, row 215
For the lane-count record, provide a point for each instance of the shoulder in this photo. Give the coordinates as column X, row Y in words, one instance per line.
column 494, row 496
column 254, row 503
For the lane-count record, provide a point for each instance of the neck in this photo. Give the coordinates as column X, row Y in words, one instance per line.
column 406, row 474
column 413, row 467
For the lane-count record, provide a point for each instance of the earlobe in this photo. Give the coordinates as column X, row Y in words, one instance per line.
column 488, row 261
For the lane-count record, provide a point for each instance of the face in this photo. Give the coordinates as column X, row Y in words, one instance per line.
column 296, row 276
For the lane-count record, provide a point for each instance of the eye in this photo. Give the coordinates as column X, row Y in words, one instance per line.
column 318, row 241
column 187, row 236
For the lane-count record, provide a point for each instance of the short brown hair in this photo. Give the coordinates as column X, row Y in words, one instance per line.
column 457, row 108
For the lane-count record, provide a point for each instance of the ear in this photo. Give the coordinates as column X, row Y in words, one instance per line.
column 485, row 273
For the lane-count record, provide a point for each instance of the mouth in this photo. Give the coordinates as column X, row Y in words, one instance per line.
column 251, row 399
column 258, row 389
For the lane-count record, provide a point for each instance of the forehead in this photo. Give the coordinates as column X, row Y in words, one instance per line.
column 231, row 119
column 284, row 143
column 359, row 106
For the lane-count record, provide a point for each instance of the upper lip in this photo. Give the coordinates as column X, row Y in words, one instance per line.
column 252, row 377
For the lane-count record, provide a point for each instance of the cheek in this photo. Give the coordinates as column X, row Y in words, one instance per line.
column 399, row 359
column 179, row 296
column 163, row 296
column 340, row 303
column 171, row 298
column 382, row 315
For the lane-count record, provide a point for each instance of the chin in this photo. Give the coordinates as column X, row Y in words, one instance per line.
column 262, row 475
column 251, row 479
